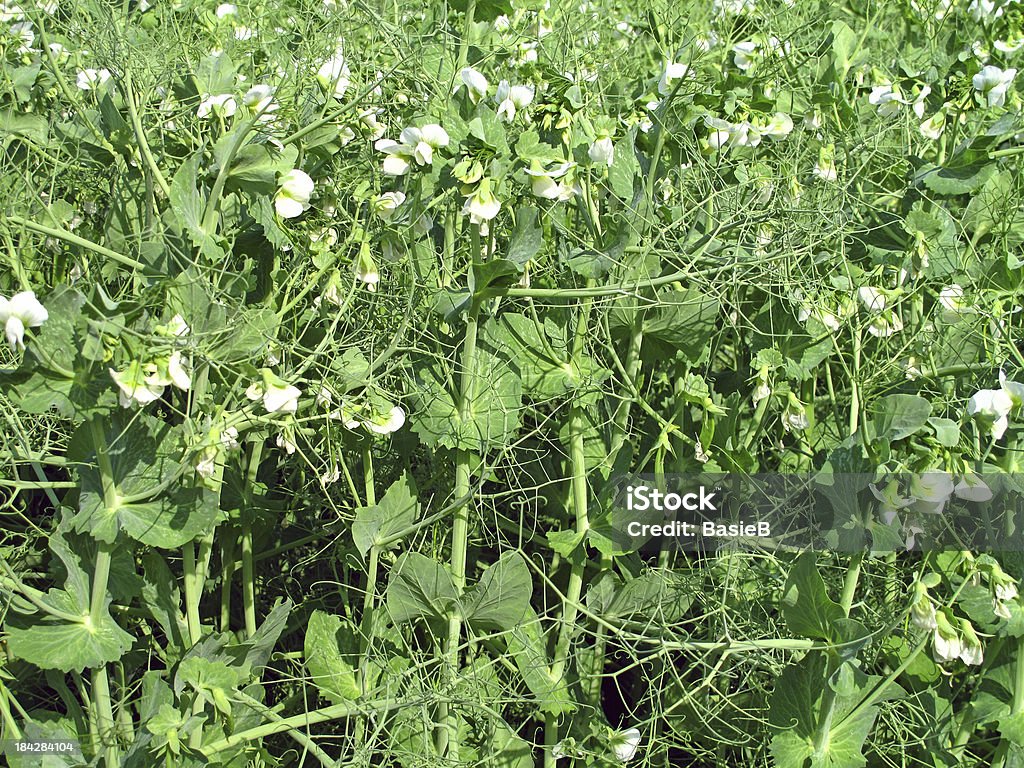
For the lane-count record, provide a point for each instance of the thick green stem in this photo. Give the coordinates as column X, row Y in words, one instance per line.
column 248, row 571
column 447, row 732
column 574, row 589
column 103, row 712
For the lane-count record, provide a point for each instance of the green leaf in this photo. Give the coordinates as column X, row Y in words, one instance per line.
column 844, row 48
column 419, row 588
column 145, row 456
column 215, row 681
column 796, row 711
column 493, row 278
column 682, row 321
column 527, row 237
column 526, row 645
column 331, row 658
column 502, row 597
column 189, row 205
column 529, row 147
column 255, row 167
column 805, row 604
column 898, row 416
column 30, row 126
column 624, row 168
column 947, row 431
column 494, row 411
column 398, row 510
column 53, row 643
column 954, row 180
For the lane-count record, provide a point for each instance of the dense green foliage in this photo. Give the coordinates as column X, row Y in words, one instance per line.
column 346, row 319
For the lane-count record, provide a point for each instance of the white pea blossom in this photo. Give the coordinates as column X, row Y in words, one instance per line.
column 260, row 101
column 511, row 98
column 334, row 75
column 135, row 385
column 178, row 374
column 544, row 184
column 971, row 651
column 225, row 9
column 223, row 104
column 744, row 54
column 872, row 298
column 992, row 407
column 602, row 151
column 277, row 394
column 366, row 269
column 885, row 324
column 673, row 71
column 888, row 98
column 293, row 194
column 476, row 84
column 946, row 645
column 481, row 204
column 21, row 311
column 417, row 144
column 385, row 424
column 991, row 83
column 91, row 79
column 972, row 488
column 385, row 205
column 624, row 744
column 778, row 127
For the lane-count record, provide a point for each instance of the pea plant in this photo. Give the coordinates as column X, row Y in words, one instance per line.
column 333, row 327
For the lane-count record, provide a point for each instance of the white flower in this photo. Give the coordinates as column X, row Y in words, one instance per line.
column 543, row 182
column 245, row 33
column 931, row 491
column 397, row 161
column 286, row 441
column 602, row 152
column 134, row 385
column 26, row 33
column 794, row 418
column 951, row 298
column 1014, row 389
column 222, row 104
column 1009, row 46
column 744, row 54
column 334, row 75
column 260, row 101
column 872, row 298
column 888, row 98
column 984, row 10
column 1006, row 590
column 385, row 205
column 481, row 204
column 176, row 370
column 778, row 127
column 1001, row 609
column 392, row 421
column 176, row 327
column 885, row 324
column 922, row 614
column 207, row 463
column 511, row 98
column 226, row 9
column 673, row 71
column 277, row 395
column 946, row 641
column 229, row 439
column 420, row 143
column 972, row 488
column 992, row 83
column 624, row 744
column 476, row 84
column 293, row 195
column 971, row 651
column 366, row 269
column 90, row 79
column 991, row 406
column 22, row 311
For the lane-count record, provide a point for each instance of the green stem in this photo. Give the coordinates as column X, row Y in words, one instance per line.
column 103, row 712
column 447, row 732
column 68, row 237
column 248, row 571
column 140, row 136
column 188, row 564
column 850, row 582
column 574, row 589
